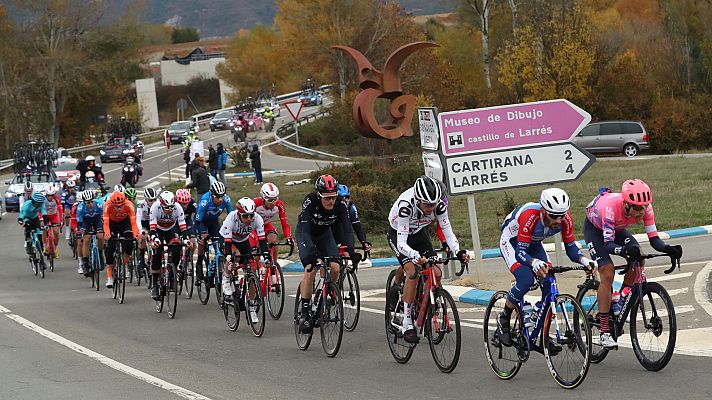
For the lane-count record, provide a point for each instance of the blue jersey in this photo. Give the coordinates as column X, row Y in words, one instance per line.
column 29, row 211
column 208, row 211
column 68, row 199
column 83, row 212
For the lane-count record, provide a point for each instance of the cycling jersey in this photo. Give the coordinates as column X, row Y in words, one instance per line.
column 524, row 227
column 159, row 219
column 119, row 214
column 317, row 219
column 68, row 199
column 85, row 215
column 355, row 221
column 189, row 213
column 267, row 215
column 25, row 197
column 53, row 206
column 606, row 213
column 29, row 211
column 142, row 215
column 233, row 229
column 407, row 219
column 73, row 214
column 207, row 210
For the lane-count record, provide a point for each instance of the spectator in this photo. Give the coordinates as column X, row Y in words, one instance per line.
column 199, row 177
column 222, row 162
column 213, row 161
column 194, row 163
column 256, row 164
column 186, row 158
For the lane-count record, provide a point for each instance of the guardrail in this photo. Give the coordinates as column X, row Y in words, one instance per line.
column 288, row 130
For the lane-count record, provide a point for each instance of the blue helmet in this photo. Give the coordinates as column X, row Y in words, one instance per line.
column 343, row 191
column 38, row 198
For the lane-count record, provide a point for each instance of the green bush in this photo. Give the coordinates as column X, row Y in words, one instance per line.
column 374, row 202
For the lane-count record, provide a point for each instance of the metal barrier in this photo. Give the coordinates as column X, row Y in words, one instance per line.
column 288, row 129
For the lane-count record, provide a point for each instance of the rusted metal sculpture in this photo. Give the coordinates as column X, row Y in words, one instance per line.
column 375, row 84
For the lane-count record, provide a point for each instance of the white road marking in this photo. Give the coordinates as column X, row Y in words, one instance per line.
column 674, row 292
column 701, row 288
column 670, row 277
column 140, row 375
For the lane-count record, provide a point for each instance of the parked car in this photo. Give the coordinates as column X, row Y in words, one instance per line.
column 179, row 130
column 16, row 187
column 114, row 148
column 627, row 137
column 310, row 97
column 221, row 119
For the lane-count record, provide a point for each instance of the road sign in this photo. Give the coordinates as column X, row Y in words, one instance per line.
column 294, row 108
column 433, row 166
column 181, row 104
column 514, row 125
column 517, row 167
column 428, row 122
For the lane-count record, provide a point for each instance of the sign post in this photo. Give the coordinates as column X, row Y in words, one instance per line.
column 294, row 108
column 168, row 158
column 181, row 104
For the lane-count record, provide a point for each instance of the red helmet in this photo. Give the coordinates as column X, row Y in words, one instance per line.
column 326, row 184
column 637, row 192
column 183, row 196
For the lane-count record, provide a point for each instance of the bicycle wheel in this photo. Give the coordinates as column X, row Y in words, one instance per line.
column 189, row 278
column 503, row 360
column 275, row 291
column 132, row 266
column 161, row 293
column 567, row 348
column 115, row 287
column 204, row 287
column 96, row 266
column 218, row 281
column 351, row 295
column 120, row 280
column 50, row 257
column 443, row 330
column 331, row 313
column 401, row 350
column 587, row 298
column 170, row 290
column 231, row 310
column 180, row 278
column 303, row 339
column 257, row 304
column 654, row 342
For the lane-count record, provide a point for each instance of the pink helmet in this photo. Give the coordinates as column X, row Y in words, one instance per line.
column 637, row 192
column 183, row 196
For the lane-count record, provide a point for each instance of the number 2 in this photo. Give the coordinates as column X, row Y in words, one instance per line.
column 568, row 155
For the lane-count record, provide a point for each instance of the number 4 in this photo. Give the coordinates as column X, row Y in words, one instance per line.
column 570, row 169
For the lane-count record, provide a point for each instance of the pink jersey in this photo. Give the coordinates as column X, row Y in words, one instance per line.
column 606, row 213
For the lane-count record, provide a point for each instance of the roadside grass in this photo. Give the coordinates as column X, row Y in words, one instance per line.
column 680, row 193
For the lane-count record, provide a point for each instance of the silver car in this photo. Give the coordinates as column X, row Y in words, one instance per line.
column 627, row 137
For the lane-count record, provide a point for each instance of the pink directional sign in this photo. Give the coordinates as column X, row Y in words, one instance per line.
column 501, row 127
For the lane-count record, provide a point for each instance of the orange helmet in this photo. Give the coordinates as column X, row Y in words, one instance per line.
column 117, row 198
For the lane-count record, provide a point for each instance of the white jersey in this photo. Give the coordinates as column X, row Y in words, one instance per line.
column 234, row 229
column 407, row 219
column 158, row 219
column 142, row 214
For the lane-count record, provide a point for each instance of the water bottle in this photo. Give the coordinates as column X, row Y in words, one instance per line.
column 527, row 312
column 615, row 302
column 535, row 313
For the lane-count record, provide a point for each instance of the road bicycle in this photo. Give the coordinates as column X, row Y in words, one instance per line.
column 653, row 326
column 95, row 266
column 120, row 268
column 435, row 316
column 561, row 333
column 327, row 309
column 50, row 246
column 350, row 291
column 167, row 280
column 186, row 273
column 272, row 283
column 244, row 286
column 36, row 258
column 211, row 276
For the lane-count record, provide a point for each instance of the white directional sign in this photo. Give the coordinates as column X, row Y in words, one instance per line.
column 294, row 108
column 428, row 123
column 516, row 167
column 433, row 166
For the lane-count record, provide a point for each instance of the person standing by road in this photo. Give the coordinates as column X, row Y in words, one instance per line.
column 199, row 178
column 222, row 163
column 256, row 164
column 186, row 158
column 213, row 161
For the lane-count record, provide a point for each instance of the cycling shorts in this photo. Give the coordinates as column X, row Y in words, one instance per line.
column 597, row 247
column 312, row 246
column 419, row 241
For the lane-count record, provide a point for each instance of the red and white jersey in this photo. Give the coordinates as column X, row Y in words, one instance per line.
column 267, row 214
column 234, row 230
column 53, row 205
column 159, row 219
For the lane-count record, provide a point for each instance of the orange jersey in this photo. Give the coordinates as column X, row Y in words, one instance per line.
column 118, row 214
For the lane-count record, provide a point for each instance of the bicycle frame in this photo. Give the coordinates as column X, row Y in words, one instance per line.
column 547, row 301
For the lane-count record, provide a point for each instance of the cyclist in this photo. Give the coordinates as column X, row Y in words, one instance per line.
column 91, row 183
column 30, row 214
column 89, row 219
column 186, row 202
column 131, row 196
column 267, row 206
column 607, row 217
column 53, row 206
column 69, row 198
column 120, row 220
column 415, row 209
column 523, row 231
column 29, row 190
column 321, row 221
column 210, row 206
column 74, row 229
column 167, row 223
column 345, row 194
column 143, row 209
column 236, row 231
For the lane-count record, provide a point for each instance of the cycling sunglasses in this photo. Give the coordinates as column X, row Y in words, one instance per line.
column 556, row 216
column 248, row 215
column 271, row 199
column 637, row 207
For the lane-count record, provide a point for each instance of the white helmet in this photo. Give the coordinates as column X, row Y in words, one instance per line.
column 269, row 191
column 119, row 188
column 51, row 190
column 245, row 206
column 90, row 174
column 427, row 190
column 167, row 199
column 71, row 183
column 90, row 158
column 554, row 201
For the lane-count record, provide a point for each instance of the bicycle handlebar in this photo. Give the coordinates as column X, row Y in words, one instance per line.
column 675, row 262
column 291, row 247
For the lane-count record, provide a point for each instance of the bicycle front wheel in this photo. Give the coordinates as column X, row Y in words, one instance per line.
column 204, row 285
column 96, row 268
column 588, row 300
column 275, row 291
column 352, row 299
column 170, row 289
column 303, row 339
column 401, row 350
column 443, row 330
column 257, row 305
column 120, row 281
column 654, row 334
column 189, row 277
column 332, row 320
column 504, row 360
column 231, row 310
column 567, row 347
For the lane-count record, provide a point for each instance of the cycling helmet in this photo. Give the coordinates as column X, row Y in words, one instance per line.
column 88, row 195
column 269, row 191
column 38, row 199
column 183, row 196
column 51, row 190
column 90, row 174
column 130, row 193
column 245, row 206
column 217, row 188
column 637, row 192
column 167, row 199
column 554, row 201
column 326, row 184
column 90, row 158
column 343, row 191
column 117, row 198
column 119, row 188
column 427, row 190
column 28, row 186
column 150, row 194
column 71, row 183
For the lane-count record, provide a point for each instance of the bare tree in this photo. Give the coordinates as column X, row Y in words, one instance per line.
column 482, row 11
